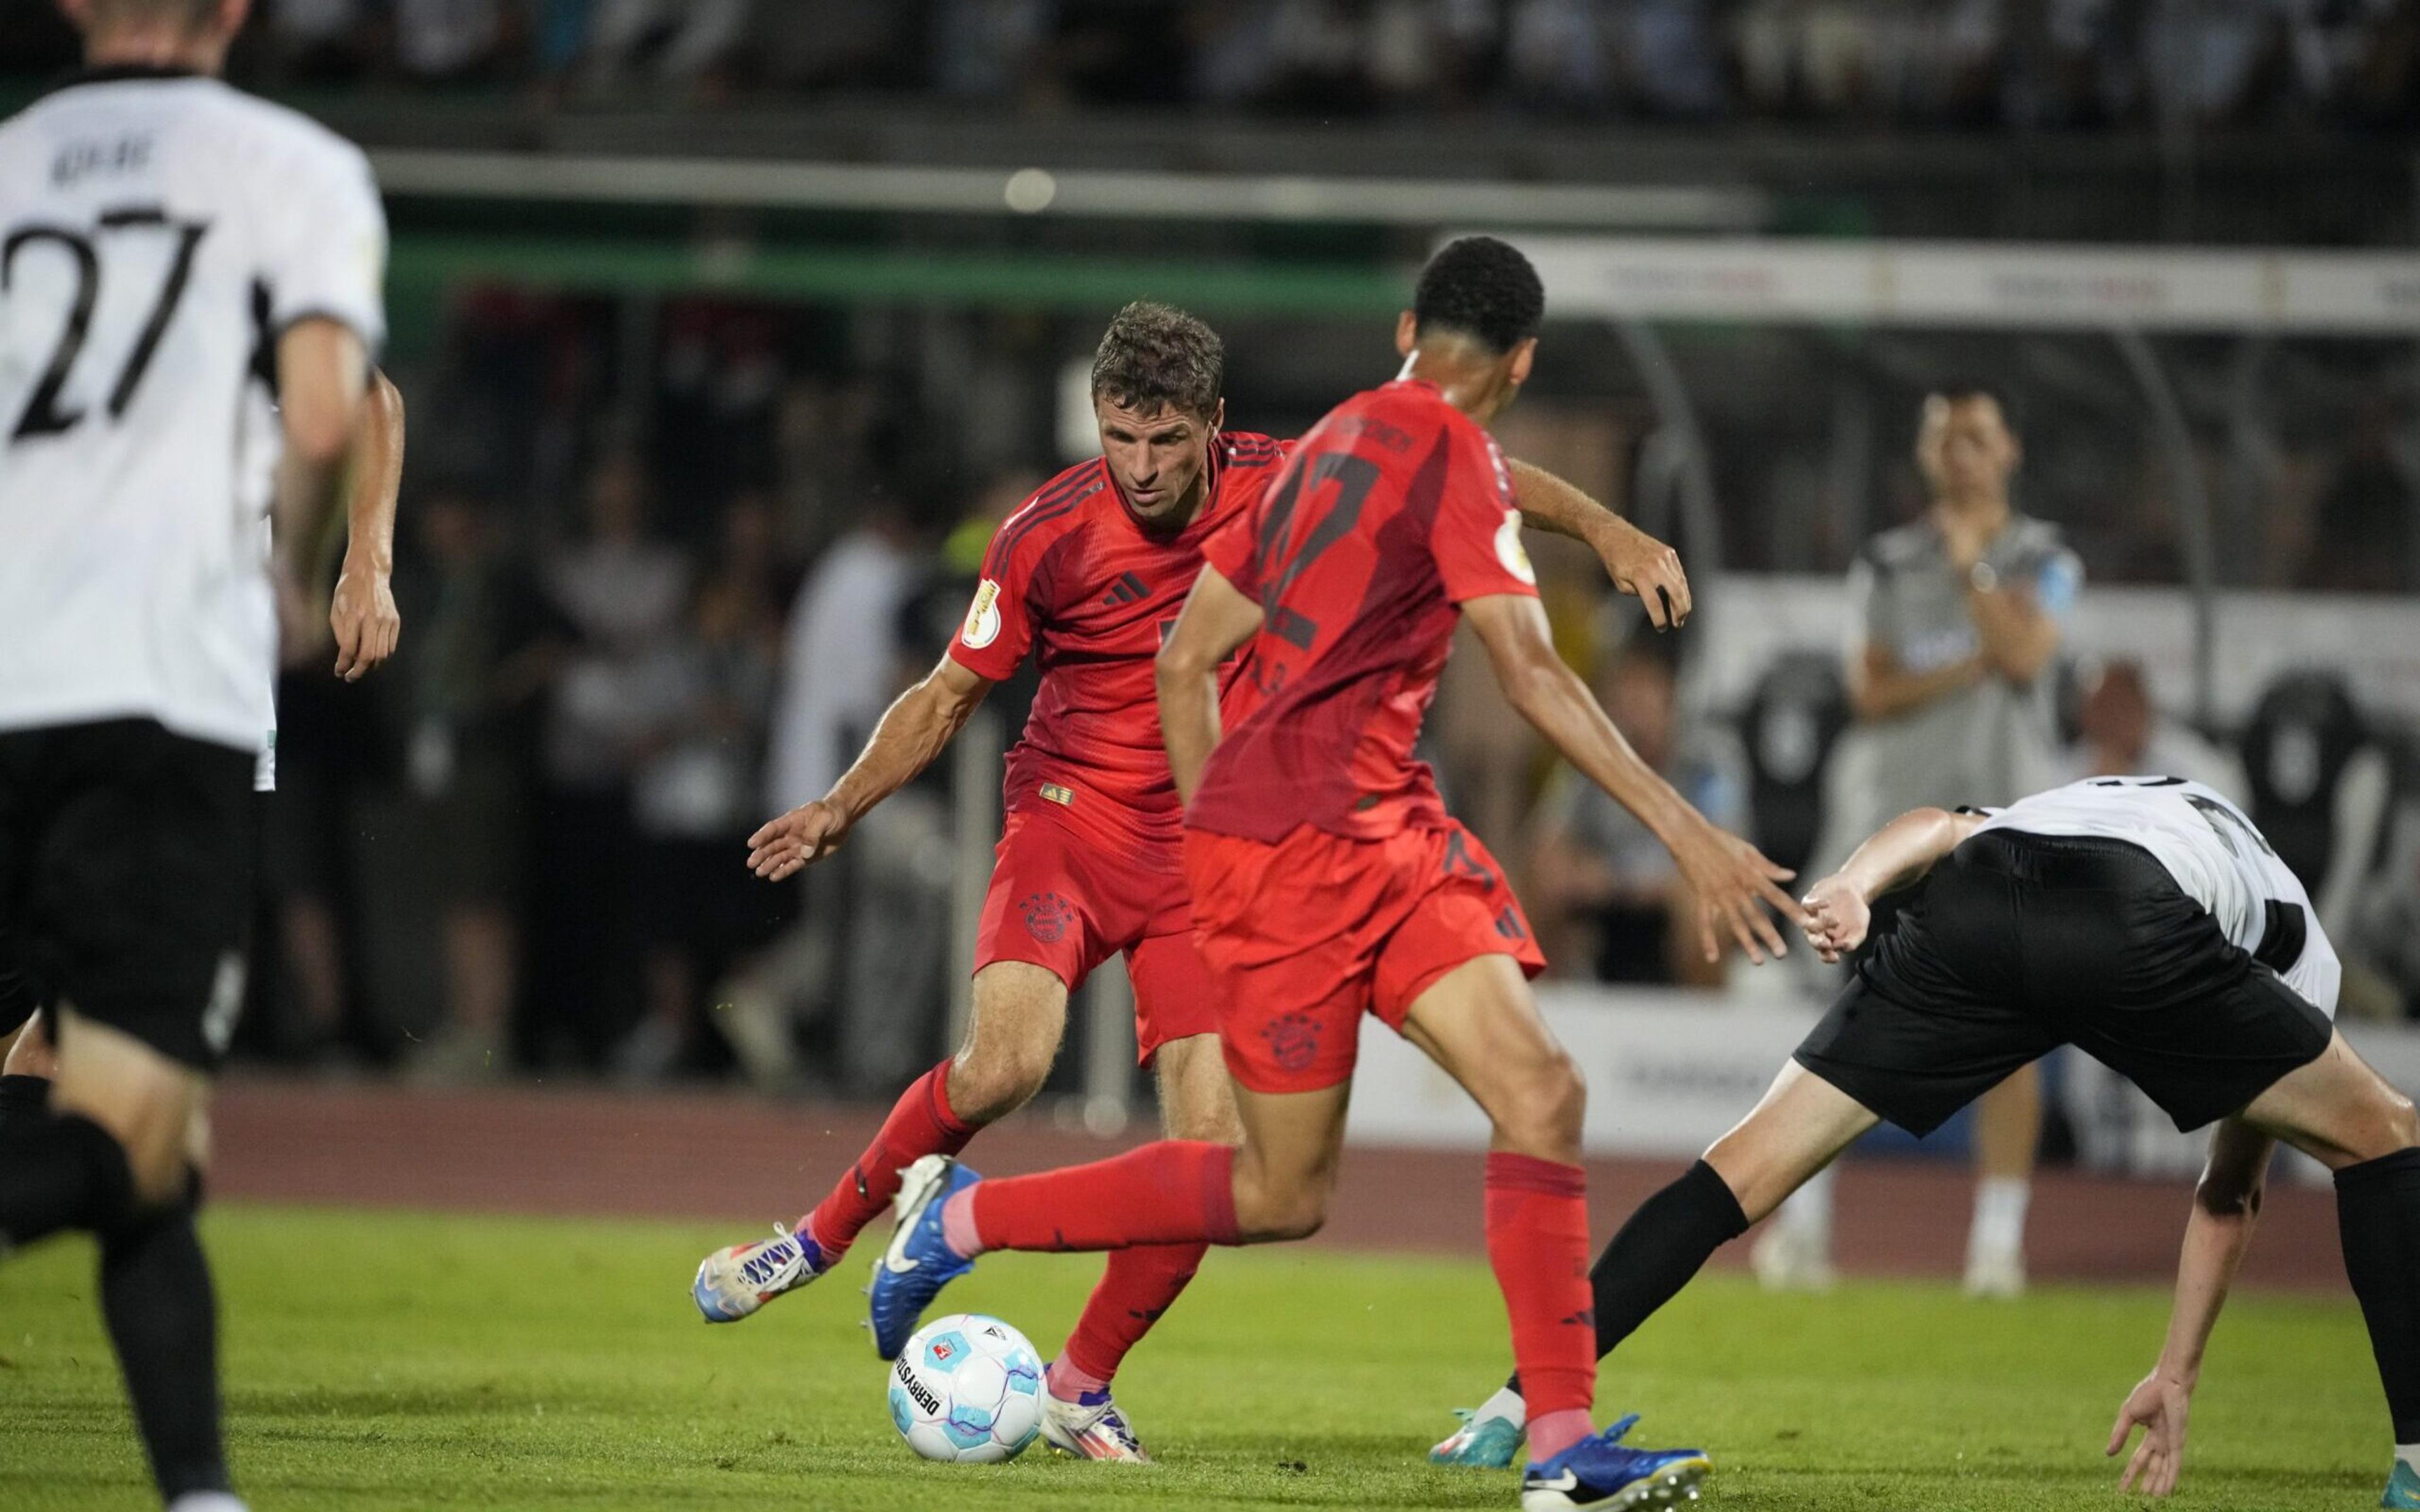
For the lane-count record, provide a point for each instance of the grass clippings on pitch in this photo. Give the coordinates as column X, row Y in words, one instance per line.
column 410, row 1361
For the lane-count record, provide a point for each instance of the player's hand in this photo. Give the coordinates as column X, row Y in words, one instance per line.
column 1837, row 916
column 363, row 616
column 2158, row 1406
column 796, row 841
column 1648, row 569
column 1731, row 881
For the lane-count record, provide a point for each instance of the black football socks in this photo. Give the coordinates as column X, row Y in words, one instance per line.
column 2378, row 1217
column 1667, row 1240
column 155, row 1293
column 60, row 1172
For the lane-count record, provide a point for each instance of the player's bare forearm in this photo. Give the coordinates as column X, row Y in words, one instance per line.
column 1638, row 563
column 1216, row 618
column 1731, row 882
column 912, row 733
column 322, row 375
column 2019, row 639
column 1880, row 689
column 377, row 481
column 2227, row 1206
column 363, row 615
column 1905, row 849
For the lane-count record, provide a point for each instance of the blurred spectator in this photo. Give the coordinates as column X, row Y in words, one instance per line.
column 1595, row 865
column 707, row 690
column 447, row 39
column 2123, row 734
column 2364, row 537
column 619, row 592
column 838, row 672
column 481, row 653
column 681, row 41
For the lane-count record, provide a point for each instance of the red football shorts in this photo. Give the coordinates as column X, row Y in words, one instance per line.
column 1065, row 902
column 1308, row 934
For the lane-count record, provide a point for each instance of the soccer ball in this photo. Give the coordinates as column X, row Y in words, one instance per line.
column 966, row 1390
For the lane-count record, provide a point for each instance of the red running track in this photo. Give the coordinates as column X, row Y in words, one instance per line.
column 583, row 1151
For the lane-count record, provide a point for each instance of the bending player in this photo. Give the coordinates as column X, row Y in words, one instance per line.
column 1086, row 576
column 2146, row 922
column 1327, row 880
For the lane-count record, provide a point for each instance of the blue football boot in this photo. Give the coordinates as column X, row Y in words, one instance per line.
column 2402, row 1488
column 919, row 1261
column 1598, row 1472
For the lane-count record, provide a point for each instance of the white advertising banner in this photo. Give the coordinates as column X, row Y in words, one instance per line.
column 1969, row 284
column 1667, row 1071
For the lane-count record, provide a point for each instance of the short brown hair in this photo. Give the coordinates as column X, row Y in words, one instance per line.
column 1155, row 356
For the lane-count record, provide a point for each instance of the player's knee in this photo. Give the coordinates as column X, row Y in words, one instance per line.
column 995, row 1079
column 1543, row 1115
column 1272, row 1206
column 2401, row 1122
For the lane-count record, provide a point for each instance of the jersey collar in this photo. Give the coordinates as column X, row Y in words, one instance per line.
column 122, row 74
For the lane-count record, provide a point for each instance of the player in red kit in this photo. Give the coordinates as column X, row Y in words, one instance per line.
column 1085, row 578
column 1327, row 880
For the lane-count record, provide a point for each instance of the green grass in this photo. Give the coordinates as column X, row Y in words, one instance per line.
column 413, row 1361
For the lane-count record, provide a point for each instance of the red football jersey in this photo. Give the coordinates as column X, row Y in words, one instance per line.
column 1394, row 510
column 1072, row 577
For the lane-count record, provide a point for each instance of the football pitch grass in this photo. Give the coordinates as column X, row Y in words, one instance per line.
column 407, row 1361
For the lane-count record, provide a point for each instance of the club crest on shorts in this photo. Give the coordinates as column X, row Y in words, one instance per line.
column 1048, row 916
column 982, row 616
column 1294, row 1039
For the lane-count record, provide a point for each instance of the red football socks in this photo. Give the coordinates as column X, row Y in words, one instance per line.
column 1175, row 1192
column 1137, row 1287
column 920, row 1124
column 1537, row 1243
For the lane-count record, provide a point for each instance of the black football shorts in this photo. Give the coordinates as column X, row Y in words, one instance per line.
column 2016, row 944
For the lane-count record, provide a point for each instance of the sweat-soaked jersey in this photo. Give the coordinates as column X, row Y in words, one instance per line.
column 1396, row 509
column 1073, row 580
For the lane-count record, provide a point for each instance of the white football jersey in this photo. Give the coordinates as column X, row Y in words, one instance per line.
column 2215, row 855
column 157, row 234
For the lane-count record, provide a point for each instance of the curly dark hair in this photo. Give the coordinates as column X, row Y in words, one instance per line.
column 1155, row 356
column 1483, row 288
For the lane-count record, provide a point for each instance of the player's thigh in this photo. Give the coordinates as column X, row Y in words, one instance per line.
column 1176, row 995
column 1800, row 1126
column 150, row 1105
column 1480, row 1025
column 1197, row 1097
column 1012, row 1035
column 1286, row 1166
column 2337, row 1110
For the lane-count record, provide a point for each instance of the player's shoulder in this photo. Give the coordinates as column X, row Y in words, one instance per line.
column 2031, row 539
column 1249, row 450
column 284, row 136
column 1048, row 514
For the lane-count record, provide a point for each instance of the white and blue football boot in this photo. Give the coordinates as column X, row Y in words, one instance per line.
column 1089, row 1428
column 919, row 1261
column 2402, row 1488
column 732, row 1283
column 1490, row 1436
column 1598, row 1472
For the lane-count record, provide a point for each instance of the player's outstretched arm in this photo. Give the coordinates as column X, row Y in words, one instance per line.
column 1216, row 618
column 2226, row 1203
column 362, row 612
column 1728, row 877
column 1639, row 563
column 1839, row 907
column 322, row 375
column 914, row 730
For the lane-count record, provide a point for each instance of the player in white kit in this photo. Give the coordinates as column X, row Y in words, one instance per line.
column 2146, row 922
column 157, row 228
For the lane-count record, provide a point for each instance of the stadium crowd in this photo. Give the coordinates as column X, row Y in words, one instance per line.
column 650, row 603
column 2055, row 64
